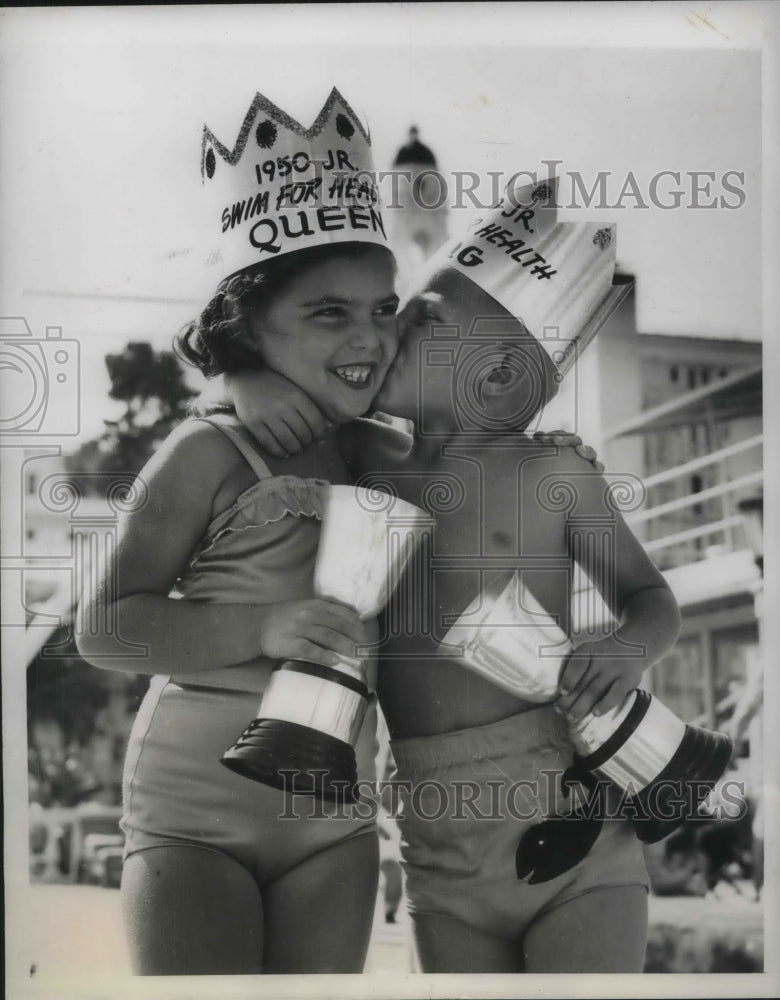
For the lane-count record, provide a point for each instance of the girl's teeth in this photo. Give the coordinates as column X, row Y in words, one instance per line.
column 354, row 373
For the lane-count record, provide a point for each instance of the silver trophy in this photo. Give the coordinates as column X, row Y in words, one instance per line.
column 666, row 766
column 310, row 715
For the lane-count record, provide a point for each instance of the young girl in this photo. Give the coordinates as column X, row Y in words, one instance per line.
column 213, row 579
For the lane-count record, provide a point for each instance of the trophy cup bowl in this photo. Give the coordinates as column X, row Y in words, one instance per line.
column 667, row 767
column 310, row 715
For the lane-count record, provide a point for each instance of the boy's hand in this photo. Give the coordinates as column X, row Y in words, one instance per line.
column 596, row 677
column 314, row 630
column 567, row 439
column 279, row 414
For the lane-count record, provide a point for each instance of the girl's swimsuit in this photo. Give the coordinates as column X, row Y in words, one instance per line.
column 175, row 790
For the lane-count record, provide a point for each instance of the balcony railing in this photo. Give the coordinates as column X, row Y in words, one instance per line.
column 727, row 529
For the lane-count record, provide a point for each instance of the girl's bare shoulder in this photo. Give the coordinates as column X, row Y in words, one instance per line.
column 196, row 454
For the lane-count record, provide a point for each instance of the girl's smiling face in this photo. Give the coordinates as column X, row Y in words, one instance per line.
column 333, row 331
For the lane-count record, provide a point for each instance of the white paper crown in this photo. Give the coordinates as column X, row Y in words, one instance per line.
column 284, row 187
column 555, row 277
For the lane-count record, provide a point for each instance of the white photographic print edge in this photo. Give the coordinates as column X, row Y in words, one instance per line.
column 101, row 111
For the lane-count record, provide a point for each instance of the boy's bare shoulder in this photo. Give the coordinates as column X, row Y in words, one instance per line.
column 564, row 480
column 539, row 454
column 547, row 473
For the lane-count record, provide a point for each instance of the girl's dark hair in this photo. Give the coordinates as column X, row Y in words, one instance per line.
column 220, row 340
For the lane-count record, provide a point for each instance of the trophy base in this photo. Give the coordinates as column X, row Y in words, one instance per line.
column 295, row 759
column 680, row 790
column 672, row 785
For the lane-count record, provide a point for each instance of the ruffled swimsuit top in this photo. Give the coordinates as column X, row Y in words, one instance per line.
column 261, row 550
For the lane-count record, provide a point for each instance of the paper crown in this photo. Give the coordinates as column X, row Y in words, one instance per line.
column 557, row 278
column 284, row 187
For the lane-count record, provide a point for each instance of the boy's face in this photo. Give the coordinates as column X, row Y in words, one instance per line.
column 400, row 392
column 463, row 358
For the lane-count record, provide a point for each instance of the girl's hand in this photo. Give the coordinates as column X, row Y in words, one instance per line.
column 597, row 676
column 567, row 439
column 280, row 415
column 314, row 630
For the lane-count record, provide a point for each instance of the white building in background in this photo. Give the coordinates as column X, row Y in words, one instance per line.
column 417, row 209
column 684, row 415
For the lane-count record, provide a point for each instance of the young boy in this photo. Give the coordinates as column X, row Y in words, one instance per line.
column 480, row 768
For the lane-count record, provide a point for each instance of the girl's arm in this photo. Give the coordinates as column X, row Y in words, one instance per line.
column 279, row 414
column 598, row 675
column 128, row 610
column 283, row 420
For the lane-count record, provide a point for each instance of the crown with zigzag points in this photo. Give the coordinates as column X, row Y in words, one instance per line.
column 557, row 278
column 284, row 187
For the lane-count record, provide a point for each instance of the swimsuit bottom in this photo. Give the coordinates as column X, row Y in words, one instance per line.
column 491, row 836
column 176, row 791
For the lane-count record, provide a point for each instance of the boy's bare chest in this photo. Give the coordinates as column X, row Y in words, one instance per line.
column 488, row 505
column 489, row 522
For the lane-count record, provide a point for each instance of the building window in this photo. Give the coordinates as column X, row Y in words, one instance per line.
column 730, row 650
column 679, row 679
column 696, row 487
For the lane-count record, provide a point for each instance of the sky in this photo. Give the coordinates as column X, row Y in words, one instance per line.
column 101, row 113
